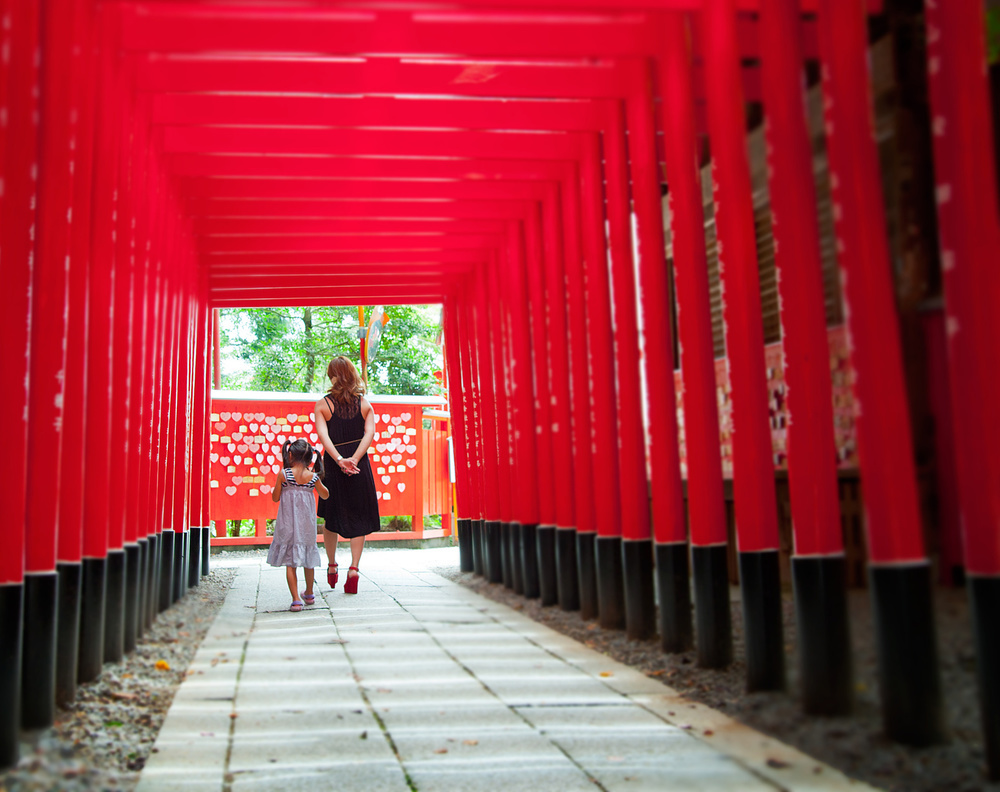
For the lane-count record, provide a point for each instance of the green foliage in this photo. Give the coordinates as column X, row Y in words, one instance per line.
column 287, row 349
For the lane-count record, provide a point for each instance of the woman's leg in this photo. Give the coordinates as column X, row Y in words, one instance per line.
column 291, row 576
column 330, row 540
column 357, row 545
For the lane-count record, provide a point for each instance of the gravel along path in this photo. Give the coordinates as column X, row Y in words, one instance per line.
column 101, row 742
column 855, row 745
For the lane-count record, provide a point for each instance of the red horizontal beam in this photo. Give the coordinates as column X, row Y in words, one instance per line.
column 404, row 259
column 335, row 227
column 219, row 250
column 262, row 209
column 350, row 296
column 373, row 142
column 346, row 167
column 333, row 190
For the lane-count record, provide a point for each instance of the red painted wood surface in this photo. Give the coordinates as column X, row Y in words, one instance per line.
column 885, row 447
column 969, row 225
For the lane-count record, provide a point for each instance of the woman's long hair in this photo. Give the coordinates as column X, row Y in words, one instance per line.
column 345, row 383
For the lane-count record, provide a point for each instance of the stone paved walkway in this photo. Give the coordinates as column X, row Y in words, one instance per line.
column 417, row 683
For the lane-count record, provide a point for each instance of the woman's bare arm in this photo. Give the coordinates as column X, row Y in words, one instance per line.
column 366, row 441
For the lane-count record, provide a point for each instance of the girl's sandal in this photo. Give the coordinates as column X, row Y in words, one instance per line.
column 331, row 575
column 351, row 584
column 310, row 599
column 296, row 606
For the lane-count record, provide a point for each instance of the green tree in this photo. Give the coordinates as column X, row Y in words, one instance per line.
column 287, row 349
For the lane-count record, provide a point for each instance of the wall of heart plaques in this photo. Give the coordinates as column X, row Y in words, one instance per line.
column 246, row 438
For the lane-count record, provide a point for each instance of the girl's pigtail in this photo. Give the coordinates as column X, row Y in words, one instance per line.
column 318, row 467
column 286, row 461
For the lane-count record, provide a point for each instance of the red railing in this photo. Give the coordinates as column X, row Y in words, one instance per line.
column 409, row 458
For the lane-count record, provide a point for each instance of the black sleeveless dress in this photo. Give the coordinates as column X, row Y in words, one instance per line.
column 352, row 508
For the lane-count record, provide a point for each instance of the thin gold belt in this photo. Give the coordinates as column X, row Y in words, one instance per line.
column 345, row 442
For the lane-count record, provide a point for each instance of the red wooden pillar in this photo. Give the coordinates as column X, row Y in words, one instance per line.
column 706, row 505
column 122, row 334
column 473, row 427
column 153, row 476
column 201, row 405
column 49, row 310
column 818, row 562
column 458, row 419
column 899, row 570
column 560, row 425
column 526, row 513
column 631, row 462
column 96, row 455
column 753, row 463
column 582, row 398
column 497, row 314
column 485, row 349
column 182, row 447
column 969, row 225
column 73, row 476
column 600, row 347
column 19, row 151
column 657, row 358
column 167, row 422
column 545, row 535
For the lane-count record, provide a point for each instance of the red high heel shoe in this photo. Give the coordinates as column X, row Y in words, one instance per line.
column 351, row 584
column 331, row 575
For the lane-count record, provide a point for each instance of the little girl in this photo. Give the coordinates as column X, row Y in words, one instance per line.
column 294, row 543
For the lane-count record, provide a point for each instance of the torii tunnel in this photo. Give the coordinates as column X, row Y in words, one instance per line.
column 509, row 159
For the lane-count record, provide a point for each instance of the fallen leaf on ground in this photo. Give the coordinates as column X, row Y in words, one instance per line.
column 470, row 742
column 776, row 763
column 709, row 732
column 441, row 751
column 606, row 673
column 162, row 665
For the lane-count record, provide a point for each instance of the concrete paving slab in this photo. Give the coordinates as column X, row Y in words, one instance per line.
column 419, row 684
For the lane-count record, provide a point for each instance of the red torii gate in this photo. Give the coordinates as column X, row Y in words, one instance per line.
column 192, row 156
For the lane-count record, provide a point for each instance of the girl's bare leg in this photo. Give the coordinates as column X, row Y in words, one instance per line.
column 291, row 576
column 310, row 574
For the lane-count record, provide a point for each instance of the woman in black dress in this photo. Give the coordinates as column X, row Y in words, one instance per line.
column 345, row 422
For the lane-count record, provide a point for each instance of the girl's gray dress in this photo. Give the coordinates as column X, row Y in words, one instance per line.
column 294, row 543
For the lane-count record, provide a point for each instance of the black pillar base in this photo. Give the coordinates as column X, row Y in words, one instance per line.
column 494, row 551
column 909, row 676
column 610, row 583
column 464, row 530
column 566, row 569
column 984, row 597
column 114, row 620
column 38, row 669
column 506, row 556
column 68, row 635
column 167, row 555
column 181, row 539
column 206, row 550
column 548, row 581
column 824, row 635
column 11, row 610
column 714, row 627
column 529, row 560
column 763, row 630
column 673, row 582
column 143, row 590
column 516, row 566
column 586, row 574
column 478, row 557
column 93, row 594
column 197, row 534
column 133, row 583
column 640, row 601
column 153, row 579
